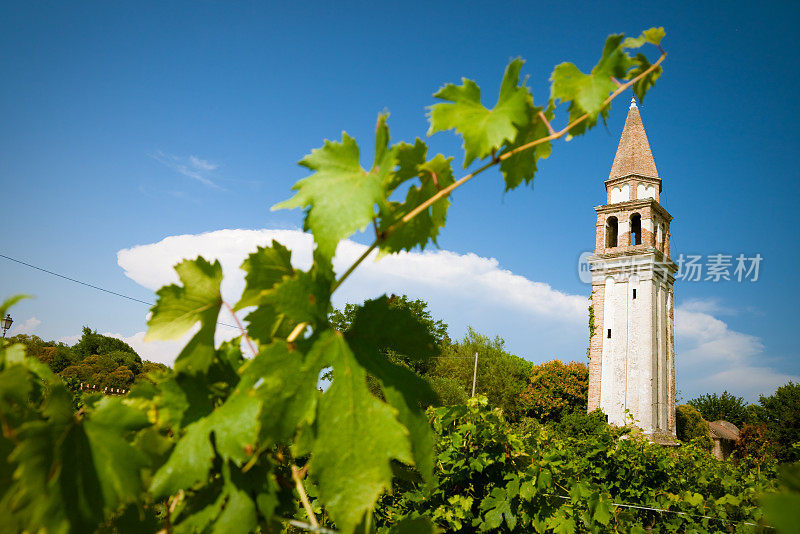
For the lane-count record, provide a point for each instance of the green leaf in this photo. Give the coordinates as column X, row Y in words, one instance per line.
column 340, row 196
column 782, row 510
column 434, row 175
column 641, row 87
column 483, row 130
column 414, row 524
column 652, row 36
column 11, row 301
column 357, row 437
column 285, row 382
column 409, row 158
column 74, row 473
column 377, row 326
column 303, row 297
column 179, row 308
column 586, row 93
column 522, row 166
column 189, row 462
column 265, row 268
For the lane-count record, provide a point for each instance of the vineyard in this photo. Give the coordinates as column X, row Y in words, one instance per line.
column 239, row 437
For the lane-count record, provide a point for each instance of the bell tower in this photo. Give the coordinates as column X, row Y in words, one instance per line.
column 632, row 349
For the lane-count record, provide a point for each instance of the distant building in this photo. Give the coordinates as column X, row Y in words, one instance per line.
column 632, row 350
column 724, row 436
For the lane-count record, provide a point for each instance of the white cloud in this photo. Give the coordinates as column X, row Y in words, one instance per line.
column 711, row 357
column 538, row 321
column 191, row 167
column 202, row 164
column 28, row 326
column 465, row 276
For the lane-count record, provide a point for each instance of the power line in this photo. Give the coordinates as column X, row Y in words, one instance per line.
column 87, row 284
column 74, row 280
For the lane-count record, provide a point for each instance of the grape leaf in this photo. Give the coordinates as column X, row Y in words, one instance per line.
column 435, row 175
column 303, row 297
column 285, row 382
column 409, row 158
column 179, row 308
column 265, row 268
column 586, row 93
column 189, row 462
column 522, row 166
column 483, row 130
column 377, row 326
column 11, row 301
column 356, row 439
column 652, row 36
column 85, row 467
column 340, row 196
column 641, row 87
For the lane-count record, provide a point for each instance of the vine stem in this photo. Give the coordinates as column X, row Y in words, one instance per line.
column 241, row 328
column 494, row 161
column 298, row 482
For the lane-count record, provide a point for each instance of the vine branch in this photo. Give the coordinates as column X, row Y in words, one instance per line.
column 494, row 161
column 241, row 328
column 301, row 490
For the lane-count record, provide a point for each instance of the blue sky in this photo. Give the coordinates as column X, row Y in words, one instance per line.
column 124, row 124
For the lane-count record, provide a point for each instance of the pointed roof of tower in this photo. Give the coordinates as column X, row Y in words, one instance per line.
column 633, row 153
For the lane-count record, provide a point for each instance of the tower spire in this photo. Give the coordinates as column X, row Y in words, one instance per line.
column 633, row 153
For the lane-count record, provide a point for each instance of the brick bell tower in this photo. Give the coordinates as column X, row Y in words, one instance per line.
column 632, row 350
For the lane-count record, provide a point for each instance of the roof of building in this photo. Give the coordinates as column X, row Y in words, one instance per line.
column 633, row 153
column 723, row 430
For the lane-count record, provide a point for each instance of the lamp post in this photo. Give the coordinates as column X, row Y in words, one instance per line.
column 6, row 324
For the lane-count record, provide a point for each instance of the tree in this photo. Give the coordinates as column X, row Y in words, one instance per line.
column 93, row 343
column 781, row 414
column 501, row 376
column 418, row 309
column 556, row 389
column 727, row 407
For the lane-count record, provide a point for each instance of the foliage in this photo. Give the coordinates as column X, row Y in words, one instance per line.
column 691, row 427
column 783, row 508
column 780, row 412
column 95, row 359
column 592, row 326
column 571, row 478
column 436, row 328
column 556, row 389
column 727, row 407
column 223, row 442
column 753, row 445
column 501, row 376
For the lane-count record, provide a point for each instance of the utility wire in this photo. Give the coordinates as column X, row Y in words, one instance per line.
column 637, row 507
column 74, row 280
column 87, row 284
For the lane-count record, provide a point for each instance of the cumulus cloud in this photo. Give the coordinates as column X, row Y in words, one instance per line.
column 712, row 357
column 28, row 326
column 538, row 321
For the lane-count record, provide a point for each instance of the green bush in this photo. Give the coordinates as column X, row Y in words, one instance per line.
column 691, row 427
column 556, row 389
column 448, row 390
column 566, row 477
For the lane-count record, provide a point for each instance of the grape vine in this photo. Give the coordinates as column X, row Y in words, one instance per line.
column 228, row 443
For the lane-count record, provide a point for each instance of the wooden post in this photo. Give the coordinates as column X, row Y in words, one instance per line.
column 475, row 374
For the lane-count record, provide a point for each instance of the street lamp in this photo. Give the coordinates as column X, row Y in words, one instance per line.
column 6, row 324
